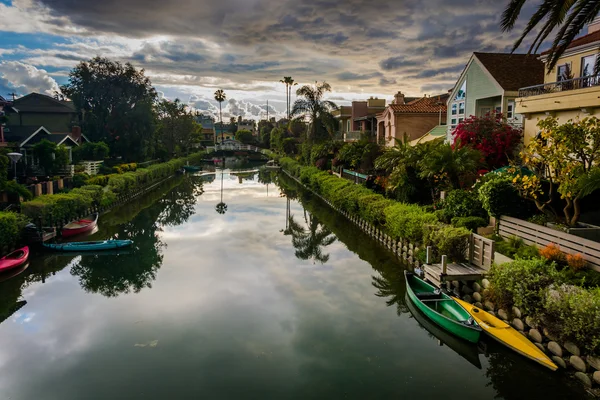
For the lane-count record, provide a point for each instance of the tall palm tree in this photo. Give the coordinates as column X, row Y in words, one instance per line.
column 220, row 97
column 311, row 105
column 291, row 84
column 564, row 17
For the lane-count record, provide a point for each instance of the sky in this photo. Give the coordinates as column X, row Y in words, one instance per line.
column 190, row 48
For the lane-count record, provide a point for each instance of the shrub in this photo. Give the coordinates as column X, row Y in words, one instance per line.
column 448, row 240
column 586, row 278
column 407, row 221
column 463, row 203
column 499, row 197
column 527, row 252
column 94, row 191
column 552, row 253
column 572, row 315
column 539, row 219
column 11, row 226
column 80, row 179
column 321, row 163
column 576, row 262
column 443, row 216
column 100, row 180
column 522, row 283
column 471, row 223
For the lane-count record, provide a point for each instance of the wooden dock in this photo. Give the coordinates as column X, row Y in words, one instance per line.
column 454, row 272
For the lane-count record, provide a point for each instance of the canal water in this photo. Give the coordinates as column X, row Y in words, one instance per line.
column 225, row 297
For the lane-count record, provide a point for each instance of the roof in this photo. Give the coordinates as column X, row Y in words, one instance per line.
column 422, row 105
column 37, row 102
column 19, row 133
column 513, row 71
column 587, row 39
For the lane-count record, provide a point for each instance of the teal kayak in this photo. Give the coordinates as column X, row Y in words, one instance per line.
column 89, row 246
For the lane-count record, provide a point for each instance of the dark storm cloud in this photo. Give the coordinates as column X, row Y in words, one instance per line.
column 416, row 43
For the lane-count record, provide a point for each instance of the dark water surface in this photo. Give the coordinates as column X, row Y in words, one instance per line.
column 237, row 305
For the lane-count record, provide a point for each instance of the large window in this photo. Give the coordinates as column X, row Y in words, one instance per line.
column 510, row 110
column 458, row 105
column 454, row 108
column 563, row 72
column 587, row 69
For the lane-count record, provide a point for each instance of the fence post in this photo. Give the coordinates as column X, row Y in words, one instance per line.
column 428, row 257
column 444, row 264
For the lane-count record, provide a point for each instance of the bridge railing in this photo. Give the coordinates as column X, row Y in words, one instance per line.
column 236, row 147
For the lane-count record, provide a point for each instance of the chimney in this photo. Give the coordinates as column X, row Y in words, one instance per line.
column 399, row 98
column 594, row 26
column 76, row 133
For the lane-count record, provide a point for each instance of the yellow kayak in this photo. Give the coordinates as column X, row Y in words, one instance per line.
column 506, row 335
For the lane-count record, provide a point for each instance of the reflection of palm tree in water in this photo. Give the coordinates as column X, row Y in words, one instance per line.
column 391, row 285
column 221, row 208
column 309, row 242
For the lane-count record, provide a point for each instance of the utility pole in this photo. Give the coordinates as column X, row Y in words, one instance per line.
column 14, row 95
column 267, row 110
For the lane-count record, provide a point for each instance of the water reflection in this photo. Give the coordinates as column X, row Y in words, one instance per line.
column 309, row 241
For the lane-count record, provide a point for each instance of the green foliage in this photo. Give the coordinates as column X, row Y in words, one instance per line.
column 100, row 180
column 11, row 226
column 91, row 151
column 463, row 203
column 311, row 105
column 447, row 240
column 515, row 247
column 407, row 221
column 572, row 315
column 359, row 155
column 244, row 136
column 118, row 102
column 80, row 179
column 523, row 283
column 471, row 223
column 50, row 156
column 12, row 187
column 499, row 197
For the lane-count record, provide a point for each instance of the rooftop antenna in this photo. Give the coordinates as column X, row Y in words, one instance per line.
column 14, row 95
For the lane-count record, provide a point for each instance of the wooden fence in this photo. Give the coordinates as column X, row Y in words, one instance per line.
column 542, row 236
column 481, row 251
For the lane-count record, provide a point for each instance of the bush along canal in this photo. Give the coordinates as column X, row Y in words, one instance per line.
column 239, row 285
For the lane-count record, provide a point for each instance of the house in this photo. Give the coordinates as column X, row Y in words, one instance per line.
column 359, row 120
column 208, row 128
column 246, row 124
column 36, row 109
column 410, row 119
column 3, row 103
column 343, row 115
column 490, row 82
column 568, row 91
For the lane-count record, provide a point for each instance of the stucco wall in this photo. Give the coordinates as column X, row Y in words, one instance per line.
column 530, row 124
column 414, row 125
column 574, row 60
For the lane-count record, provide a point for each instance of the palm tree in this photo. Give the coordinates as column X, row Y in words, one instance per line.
column 285, row 81
column 565, row 18
column 220, row 97
column 309, row 243
column 449, row 165
column 312, row 106
column 221, row 207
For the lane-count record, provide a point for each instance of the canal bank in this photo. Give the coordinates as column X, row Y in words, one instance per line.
column 237, row 305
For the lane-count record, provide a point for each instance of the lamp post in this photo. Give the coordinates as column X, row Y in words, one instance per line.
column 15, row 157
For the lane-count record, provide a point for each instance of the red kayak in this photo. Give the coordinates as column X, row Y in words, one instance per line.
column 80, row 226
column 14, row 259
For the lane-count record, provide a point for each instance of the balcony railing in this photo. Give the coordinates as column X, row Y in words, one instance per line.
column 568, row 84
column 358, row 135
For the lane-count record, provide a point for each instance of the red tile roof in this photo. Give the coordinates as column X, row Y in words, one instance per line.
column 587, row 39
column 513, row 71
column 422, row 105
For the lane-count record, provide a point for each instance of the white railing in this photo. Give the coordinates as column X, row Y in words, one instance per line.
column 91, row 167
column 235, row 147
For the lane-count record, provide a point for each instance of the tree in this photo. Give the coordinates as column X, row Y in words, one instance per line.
column 50, row 156
column 90, row 151
column 566, row 158
column 220, row 96
column 177, row 128
column 289, row 83
column 497, row 140
column 233, row 125
column 116, row 101
column 309, row 242
column 565, row 18
column 244, row 136
column 313, row 107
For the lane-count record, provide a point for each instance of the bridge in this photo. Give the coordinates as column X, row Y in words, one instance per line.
column 237, row 147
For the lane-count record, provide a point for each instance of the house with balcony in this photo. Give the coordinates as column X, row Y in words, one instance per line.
column 359, row 120
column 569, row 91
column 410, row 118
column 344, row 117
column 490, row 82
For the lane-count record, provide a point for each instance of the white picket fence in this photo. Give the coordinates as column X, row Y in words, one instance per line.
column 91, row 167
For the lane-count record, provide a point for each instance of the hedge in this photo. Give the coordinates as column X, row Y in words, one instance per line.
column 11, row 225
column 401, row 221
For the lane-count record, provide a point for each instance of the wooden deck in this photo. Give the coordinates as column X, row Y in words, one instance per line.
column 454, row 272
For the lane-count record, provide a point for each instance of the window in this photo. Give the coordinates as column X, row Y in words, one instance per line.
column 460, row 120
column 348, row 126
column 461, row 107
column 587, row 65
column 510, row 110
column 563, row 72
column 454, row 108
column 453, row 122
column 498, row 109
column 462, row 92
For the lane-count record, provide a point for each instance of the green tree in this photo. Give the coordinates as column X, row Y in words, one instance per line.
column 567, row 158
column 50, row 156
column 220, row 96
column 116, row 101
column 312, row 106
column 564, row 19
column 176, row 128
column 233, row 125
column 244, row 136
column 90, row 151
column 289, row 83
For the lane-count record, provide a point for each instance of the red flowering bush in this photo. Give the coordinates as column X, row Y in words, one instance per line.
column 492, row 136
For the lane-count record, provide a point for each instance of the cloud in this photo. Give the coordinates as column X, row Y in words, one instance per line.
column 24, row 78
column 397, row 62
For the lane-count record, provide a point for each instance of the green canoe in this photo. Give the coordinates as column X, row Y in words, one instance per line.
column 441, row 309
column 192, row 168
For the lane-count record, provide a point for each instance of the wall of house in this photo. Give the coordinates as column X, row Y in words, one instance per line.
column 574, row 61
column 413, row 125
column 55, row 123
column 530, row 129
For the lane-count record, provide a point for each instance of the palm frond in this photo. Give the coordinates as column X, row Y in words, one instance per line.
column 589, row 182
column 511, row 14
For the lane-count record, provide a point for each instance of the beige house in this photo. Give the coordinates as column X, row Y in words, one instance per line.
column 570, row 90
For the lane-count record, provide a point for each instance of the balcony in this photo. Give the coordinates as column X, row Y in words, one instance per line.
column 572, row 94
column 568, row 84
column 353, row 136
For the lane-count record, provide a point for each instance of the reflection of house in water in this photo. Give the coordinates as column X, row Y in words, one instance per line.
column 208, row 178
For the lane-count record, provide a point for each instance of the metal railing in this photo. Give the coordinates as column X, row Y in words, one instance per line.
column 553, row 87
column 236, row 147
column 357, row 135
